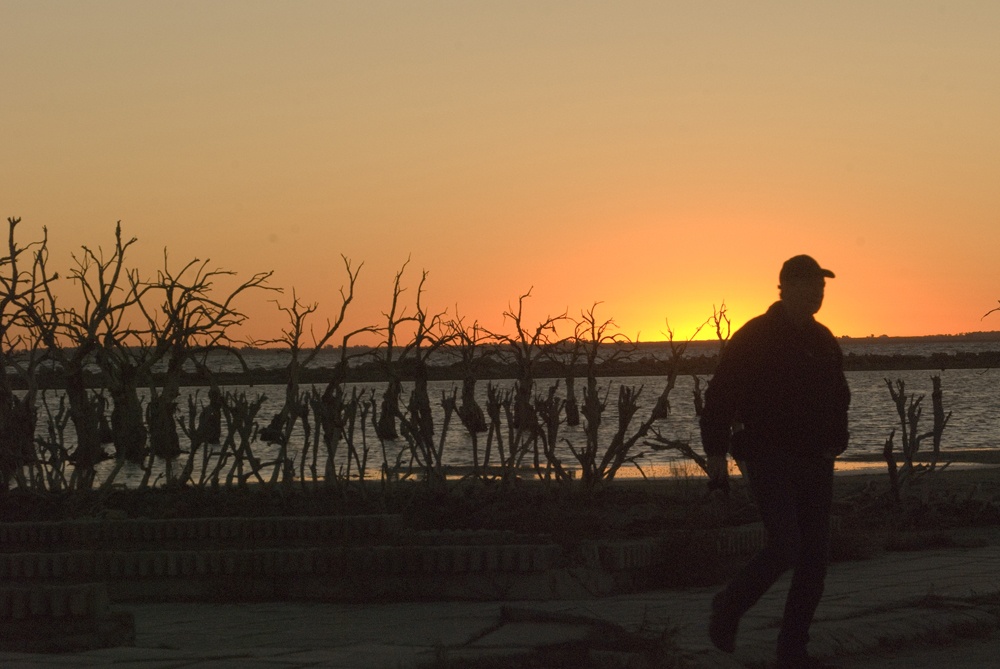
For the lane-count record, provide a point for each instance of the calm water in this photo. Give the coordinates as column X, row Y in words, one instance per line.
column 971, row 395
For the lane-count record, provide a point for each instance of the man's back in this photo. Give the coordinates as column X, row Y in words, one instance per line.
column 784, row 384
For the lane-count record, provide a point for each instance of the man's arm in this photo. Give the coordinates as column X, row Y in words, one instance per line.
column 717, row 468
column 719, row 411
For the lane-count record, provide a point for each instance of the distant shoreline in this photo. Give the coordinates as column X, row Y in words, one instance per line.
column 649, row 359
column 983, row 336
column 700, row 365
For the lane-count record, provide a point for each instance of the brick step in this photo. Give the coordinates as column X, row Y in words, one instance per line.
column 428, row 554
column 55, row 600
column 475, row 564
column 632, row 554
column 469, row 538
column 61, row 617
column 448, row 551
column 390, row 560
column 340, row 529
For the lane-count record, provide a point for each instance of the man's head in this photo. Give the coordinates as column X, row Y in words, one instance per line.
column 802, row 282
column 802, row 267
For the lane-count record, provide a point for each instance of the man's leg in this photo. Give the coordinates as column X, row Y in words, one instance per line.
column 814, row 495
column 774, row 493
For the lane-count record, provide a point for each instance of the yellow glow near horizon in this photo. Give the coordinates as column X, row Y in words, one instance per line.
column 658, row 158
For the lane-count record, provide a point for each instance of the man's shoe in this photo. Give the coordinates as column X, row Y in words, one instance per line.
column 722, row 626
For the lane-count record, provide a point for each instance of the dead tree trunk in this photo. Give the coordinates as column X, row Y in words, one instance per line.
column 940, row 419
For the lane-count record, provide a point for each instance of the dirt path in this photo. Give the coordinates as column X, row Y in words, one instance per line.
column 963, row 654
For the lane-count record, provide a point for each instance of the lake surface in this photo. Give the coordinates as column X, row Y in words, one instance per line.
column 972, row 395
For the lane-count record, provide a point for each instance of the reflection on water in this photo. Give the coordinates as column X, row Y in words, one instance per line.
column 969, row 394
column 860, row 467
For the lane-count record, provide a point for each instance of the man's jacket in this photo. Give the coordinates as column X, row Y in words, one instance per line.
column 784, row 385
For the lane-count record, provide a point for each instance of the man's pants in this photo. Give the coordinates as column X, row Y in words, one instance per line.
column 794, row 495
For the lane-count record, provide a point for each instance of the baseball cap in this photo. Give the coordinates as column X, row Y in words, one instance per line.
column 802, row 267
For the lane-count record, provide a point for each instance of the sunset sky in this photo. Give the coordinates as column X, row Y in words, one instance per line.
column 656, row 157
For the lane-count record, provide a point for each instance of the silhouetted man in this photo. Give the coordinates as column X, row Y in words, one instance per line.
column 778, row 402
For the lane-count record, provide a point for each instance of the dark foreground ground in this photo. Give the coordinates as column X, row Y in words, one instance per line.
column 913, row 579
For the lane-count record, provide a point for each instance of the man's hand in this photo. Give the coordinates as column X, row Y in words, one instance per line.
column 717, row 468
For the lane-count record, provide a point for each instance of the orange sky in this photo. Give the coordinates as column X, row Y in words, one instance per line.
column 656, row 157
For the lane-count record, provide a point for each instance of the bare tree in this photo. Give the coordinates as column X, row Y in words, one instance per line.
column 721, row 324
column 296, row 406
column 429, row 334
column 939, row 417
column 597, row 343
column 662, row 408
column 909, row 412
column 294, row 335
column 187, row 323
column 524, row 347
column 470, row 346
column 723, row 329
column 19, row 351
column 385, row 417
column 73, row 335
